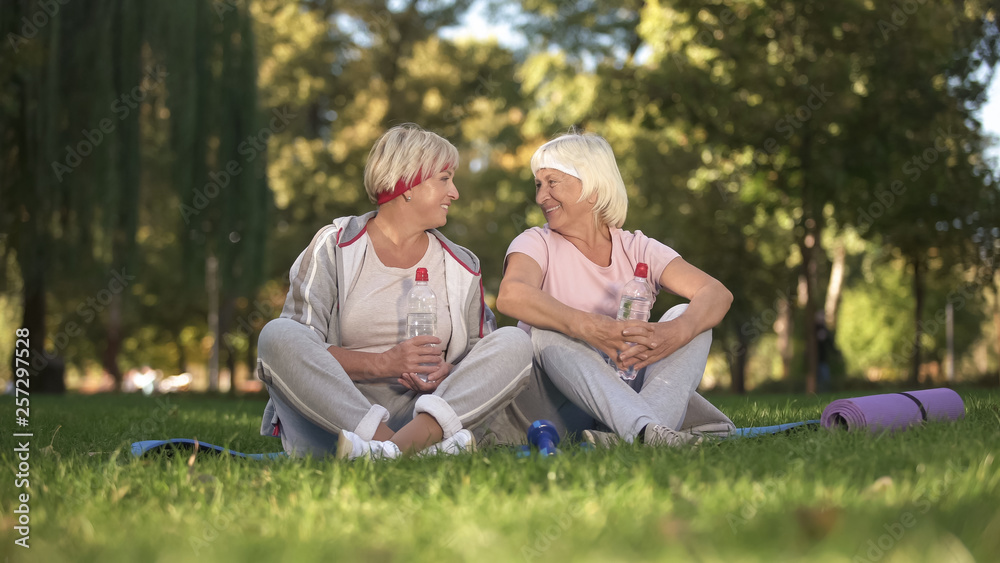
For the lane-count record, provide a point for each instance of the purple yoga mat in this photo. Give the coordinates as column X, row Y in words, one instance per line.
column 893, row 411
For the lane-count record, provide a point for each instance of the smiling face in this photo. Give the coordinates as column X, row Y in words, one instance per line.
column 558, row 194
column 588, row 158
column 432, row 198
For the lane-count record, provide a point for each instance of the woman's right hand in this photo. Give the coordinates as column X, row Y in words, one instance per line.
column 604, row 334
column 419, row 354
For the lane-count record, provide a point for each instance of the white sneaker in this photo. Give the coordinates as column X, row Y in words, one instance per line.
column 602, row 439
column 462, row 441
column 657, row 435
column 352, row 446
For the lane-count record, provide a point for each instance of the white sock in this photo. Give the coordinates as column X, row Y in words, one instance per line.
column 461, row 441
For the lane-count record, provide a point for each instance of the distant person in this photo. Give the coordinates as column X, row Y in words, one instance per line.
column 562, row 281
column 340, row 371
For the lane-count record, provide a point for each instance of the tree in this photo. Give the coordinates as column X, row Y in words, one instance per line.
column 83, row 84
column 918, row 143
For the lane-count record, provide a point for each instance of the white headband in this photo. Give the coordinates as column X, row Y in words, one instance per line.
column 549, row 160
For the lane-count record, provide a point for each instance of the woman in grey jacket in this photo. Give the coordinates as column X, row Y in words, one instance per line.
column 340, row 371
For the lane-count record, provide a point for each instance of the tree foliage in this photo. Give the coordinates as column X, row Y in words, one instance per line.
column 770, row 142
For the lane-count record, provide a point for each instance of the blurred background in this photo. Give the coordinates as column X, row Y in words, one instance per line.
column 162, row 164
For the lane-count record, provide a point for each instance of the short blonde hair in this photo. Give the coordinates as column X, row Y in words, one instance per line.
column 403, row 152
column 593, row 158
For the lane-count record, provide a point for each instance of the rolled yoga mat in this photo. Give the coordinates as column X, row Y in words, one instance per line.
column 893, row 411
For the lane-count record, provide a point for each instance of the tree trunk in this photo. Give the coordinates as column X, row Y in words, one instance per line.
column 784, row 327
column 39, row 133
column 182, row 363
column 44, row 369
column 126, row 47
column 738, row 364
column 918, row 314
column 808, row 244
column 212, row 287
column 812, row 350
column 114, row 345
column 226, row 314
column 251, row 356
column 807, row 247
column 835, row 287
column 996, row 323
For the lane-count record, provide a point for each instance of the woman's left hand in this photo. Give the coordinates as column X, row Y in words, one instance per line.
column 653, row 341
column 412, row 380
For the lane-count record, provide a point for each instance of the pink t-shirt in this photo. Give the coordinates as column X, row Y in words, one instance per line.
column 574, row 280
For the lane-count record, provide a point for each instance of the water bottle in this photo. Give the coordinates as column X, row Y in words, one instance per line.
column 543, row 435
column 637, row 298
column 421, row 310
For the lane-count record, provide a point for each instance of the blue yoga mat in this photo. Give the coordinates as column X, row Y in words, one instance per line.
column 144, row 447
column 752, row 431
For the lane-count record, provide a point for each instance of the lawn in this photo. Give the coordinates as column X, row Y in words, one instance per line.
column 929, row 494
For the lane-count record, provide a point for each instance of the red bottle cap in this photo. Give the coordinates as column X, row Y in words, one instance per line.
column 422, row 274
column 641, row 270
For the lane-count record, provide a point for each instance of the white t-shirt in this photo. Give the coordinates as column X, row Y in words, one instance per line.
column 374, row 315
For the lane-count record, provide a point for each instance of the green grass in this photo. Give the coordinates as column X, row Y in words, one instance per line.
column 810, row 496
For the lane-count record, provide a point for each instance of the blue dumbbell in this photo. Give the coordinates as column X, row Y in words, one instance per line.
column 543, row 435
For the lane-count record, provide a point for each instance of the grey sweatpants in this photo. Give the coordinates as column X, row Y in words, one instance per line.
column 313, row 398
column 574, row 387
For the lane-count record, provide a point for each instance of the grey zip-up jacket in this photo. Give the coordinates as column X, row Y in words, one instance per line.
column 327, row 269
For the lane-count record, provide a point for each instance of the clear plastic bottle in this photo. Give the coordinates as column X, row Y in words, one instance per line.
column 637, row 299
column 421, row 310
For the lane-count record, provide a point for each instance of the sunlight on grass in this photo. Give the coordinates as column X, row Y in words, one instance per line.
column 929, row 494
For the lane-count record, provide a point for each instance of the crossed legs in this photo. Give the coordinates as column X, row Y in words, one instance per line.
column 314, row 398
column 583, row 377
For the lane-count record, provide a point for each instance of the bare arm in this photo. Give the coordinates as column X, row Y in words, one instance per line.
column 521, row 297
column 403, row 358
column 709, row 303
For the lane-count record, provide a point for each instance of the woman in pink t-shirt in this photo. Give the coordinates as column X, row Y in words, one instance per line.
column 562, row 282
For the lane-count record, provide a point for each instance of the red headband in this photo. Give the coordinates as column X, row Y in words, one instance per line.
column 402, row 186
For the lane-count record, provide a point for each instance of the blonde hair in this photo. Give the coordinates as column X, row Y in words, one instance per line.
column 403, row 152
column 593, row 158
